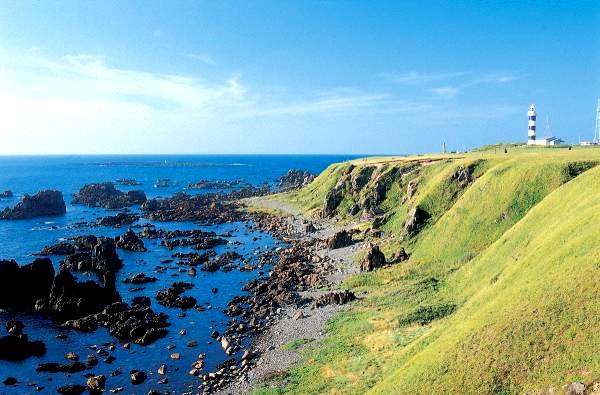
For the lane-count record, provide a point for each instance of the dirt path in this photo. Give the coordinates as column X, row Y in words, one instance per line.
column 302, row 324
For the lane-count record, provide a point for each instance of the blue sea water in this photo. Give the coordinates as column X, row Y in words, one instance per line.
column 20, row 239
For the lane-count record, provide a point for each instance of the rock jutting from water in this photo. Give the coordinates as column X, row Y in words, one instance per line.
column 16, row 345
column 140, row 278
column 107, row 196
column 22, row 286
column 63, row 248
column 6, row 194
column 130, row 241
column 220, row 184
column 69, row 299
column 118, row 220
column 100, row 258
column 208, row 209
column 42, row 204
column 34, row 287
column 127, row 182
column 171, row 297
column 137, row 323
column 197, row 243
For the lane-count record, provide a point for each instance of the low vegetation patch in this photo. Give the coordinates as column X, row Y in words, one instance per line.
column 423, row 315
column 296, row 344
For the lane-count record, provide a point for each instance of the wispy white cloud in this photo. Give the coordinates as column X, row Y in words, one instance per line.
column 67, row 102
column 202, row 57
column 446, row 92
column 85, row 77
column 420, row 78
column 495, row 79
column 449, row 85
column 319, row 105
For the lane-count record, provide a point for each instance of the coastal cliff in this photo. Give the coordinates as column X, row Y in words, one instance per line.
column 491, row 283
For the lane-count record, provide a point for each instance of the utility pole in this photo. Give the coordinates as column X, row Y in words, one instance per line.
column 597, row 131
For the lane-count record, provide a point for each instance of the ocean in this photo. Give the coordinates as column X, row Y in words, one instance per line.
column 21, row 239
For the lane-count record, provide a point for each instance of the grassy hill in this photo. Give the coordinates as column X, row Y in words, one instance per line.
column 500, row 294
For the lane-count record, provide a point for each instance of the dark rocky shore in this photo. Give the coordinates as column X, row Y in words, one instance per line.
column 296, row 271
column 301, row 291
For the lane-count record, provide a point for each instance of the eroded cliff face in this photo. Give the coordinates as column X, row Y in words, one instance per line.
column 395, row 196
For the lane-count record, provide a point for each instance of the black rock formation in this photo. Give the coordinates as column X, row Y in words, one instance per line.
column 106, row 195
column 22, row 287
column 130, row 241
column 16, row 346
column 101, row 258
column 42, row 204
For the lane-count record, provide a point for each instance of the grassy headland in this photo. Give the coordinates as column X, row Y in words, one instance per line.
column 500, row 294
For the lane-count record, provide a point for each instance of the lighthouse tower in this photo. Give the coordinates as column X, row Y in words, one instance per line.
column 531, row 125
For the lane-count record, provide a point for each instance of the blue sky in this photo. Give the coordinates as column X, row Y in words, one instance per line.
column 366, row 77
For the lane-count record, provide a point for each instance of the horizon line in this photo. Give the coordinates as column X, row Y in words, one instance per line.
column 197, row 154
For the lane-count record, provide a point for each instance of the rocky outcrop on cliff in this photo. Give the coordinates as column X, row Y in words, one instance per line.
column 294, row 179
column 362, row 178
column 339, row 297
column 339, row 240
column 415, row 221
column 332, row 201
column 373, row 260
column 42, row 204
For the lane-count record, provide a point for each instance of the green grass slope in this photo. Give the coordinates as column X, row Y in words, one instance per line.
column 500, row 294
column 532, row 322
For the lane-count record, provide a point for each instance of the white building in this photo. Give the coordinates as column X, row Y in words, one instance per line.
column 531, row 127
column 552, row 140
column 596, row 139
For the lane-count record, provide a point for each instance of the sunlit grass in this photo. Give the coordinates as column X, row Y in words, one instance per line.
column 500, row 292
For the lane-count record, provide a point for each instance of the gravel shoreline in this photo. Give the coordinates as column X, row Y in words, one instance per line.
column 297, row 322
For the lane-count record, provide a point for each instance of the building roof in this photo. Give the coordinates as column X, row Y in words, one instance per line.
column 552, row 138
